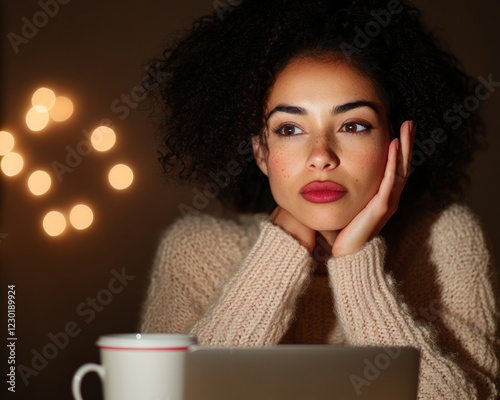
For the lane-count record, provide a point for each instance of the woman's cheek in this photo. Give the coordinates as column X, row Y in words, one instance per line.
column 278, row 166
column 375, row 163
column 281, row 175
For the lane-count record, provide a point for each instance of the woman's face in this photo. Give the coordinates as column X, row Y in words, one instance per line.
column 325, row 144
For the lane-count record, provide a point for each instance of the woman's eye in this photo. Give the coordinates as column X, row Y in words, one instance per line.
column 355, row 127
column 288, row 130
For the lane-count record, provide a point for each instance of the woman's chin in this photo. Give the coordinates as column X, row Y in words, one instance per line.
column 324, row 221
column 324, row 226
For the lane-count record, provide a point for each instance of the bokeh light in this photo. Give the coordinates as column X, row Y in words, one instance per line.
column 81, row 216
column 39, row 182
column 6, row 142
column 62, row 109
column 12, row 164
column 37, row 118
column 54, row 223
column 44, row 97
column 103, row 138
column 120, row 176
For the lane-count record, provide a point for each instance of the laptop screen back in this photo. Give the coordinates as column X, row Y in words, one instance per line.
column 302, row 372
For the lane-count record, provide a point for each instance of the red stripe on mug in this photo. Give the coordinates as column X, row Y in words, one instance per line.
column 145, row 348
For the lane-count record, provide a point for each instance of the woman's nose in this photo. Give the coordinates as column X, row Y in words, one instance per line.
column 322, row 155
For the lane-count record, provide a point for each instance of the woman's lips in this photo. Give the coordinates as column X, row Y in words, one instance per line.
column 323, row 192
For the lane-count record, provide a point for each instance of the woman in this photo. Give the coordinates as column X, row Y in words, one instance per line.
column 328, row 124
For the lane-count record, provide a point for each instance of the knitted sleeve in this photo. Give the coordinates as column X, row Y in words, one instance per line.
column 444, row 304
column 209, row 280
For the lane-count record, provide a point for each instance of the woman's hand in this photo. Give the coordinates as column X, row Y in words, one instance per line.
column 370, row 221
column 303, row 234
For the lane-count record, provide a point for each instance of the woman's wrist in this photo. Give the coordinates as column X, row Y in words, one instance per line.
column 286, row 221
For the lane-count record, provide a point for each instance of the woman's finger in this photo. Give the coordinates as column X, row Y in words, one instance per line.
column 407, row 135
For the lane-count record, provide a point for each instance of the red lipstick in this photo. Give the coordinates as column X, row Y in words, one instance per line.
column 323, row 192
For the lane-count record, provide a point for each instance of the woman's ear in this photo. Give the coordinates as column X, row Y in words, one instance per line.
column 260, row 153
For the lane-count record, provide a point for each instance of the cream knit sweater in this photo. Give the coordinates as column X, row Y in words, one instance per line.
column 248, row 283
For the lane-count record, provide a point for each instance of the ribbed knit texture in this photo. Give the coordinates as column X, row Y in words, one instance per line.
column 248, row 283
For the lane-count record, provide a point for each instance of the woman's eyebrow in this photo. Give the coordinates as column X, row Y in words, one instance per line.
column 355, row 104
column 285, row 108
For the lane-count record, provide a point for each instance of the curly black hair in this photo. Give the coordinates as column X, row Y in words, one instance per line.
column 216, row 78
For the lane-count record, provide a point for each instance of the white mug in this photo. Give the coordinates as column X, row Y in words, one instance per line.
column 139, row 366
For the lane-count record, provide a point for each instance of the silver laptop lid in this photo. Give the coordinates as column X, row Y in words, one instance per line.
column 302, row 372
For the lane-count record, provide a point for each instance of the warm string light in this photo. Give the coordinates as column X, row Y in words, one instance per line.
column 12, row 164
column 46, row 106
column 37, row 118
column 6, row 142
column 43, row 97
column 54, row 223
column 120, row 176
column 62, row 110
column 80, row 217
column 103, row 138
column 39, row 182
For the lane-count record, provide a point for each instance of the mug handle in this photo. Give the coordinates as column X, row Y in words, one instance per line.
column 80, row 373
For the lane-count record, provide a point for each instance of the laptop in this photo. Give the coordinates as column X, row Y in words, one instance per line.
column 302, row 372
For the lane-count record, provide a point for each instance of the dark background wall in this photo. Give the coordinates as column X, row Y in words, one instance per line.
column 94, row 52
